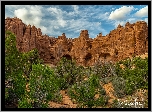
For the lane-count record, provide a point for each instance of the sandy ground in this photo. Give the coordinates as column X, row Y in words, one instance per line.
column 66, row 102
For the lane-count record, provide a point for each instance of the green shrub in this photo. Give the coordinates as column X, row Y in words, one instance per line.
column 84, row 93
column 14, row 80
column 119, row 86
column 12, row 56
column 43, row 86
column 104, row 69
column 24, row 103
column 135, row 78
column 17, row 68
column 68, row 73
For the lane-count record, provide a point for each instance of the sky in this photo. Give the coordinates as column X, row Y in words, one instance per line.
column 71, row 19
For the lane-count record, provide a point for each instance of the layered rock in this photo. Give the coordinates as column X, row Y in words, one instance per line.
column 120, row 43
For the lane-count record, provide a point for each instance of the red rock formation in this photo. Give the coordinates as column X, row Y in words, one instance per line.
column 120, row 43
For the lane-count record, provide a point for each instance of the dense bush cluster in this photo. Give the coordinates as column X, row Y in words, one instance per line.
column 22, row 69
column 43, row 87
column 67, row 72
column 31, row 84
column 85, row 93
column 135, row 73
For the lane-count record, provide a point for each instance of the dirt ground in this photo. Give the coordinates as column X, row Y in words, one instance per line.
column 67, row 103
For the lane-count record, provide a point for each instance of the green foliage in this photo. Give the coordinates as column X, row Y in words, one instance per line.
column 43, row 86
column 12, row 60
column 115, row 104
column 17, row 68
column 24, row 103
column 14, row 81
column 136, row 77
column 119, row 86
column 6, row 93
column 19, row 84
column 68, row 73
column 84, row 93
column 44, row 83
column 29, row 58
column 106, row 80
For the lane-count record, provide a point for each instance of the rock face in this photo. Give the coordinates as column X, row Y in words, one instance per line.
column 120, row 43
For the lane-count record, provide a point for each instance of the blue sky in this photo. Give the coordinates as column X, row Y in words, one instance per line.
column 71, row 19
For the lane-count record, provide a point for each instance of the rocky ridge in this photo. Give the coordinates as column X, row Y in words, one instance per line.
column 120, row 43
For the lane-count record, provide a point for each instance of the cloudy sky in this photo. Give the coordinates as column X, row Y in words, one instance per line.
column 71, row 19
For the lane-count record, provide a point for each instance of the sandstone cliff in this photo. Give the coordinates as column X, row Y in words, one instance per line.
column 120, row 43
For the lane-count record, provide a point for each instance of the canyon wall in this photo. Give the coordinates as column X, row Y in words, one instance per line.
column 120, row 43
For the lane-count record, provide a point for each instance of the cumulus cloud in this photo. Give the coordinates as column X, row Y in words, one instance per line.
column 31, row 15
column 55, row 20
column 72, row 24
column 58, row 14
column 58, row 20
column 121, row 13
column 142, row 12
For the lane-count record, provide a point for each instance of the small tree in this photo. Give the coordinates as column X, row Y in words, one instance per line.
column 17, row 68
column 67, row 72
column 43, row 86
column 14, row 80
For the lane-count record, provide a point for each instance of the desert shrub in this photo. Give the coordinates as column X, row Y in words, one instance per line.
column 104, row 69
column 119, row 86
column 136, row 77
column 68, row 73
column 43, row 87
column 84, row 93
column 115, row 104
column 106, row 80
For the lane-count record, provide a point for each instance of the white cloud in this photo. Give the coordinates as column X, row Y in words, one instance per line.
column 142, row 12
column 44, row 30
column 121, row 13
column 60, row 20
column 31, row 15
column 58, row 14
column 135, row 8
column 75, row 7
column 102, row 16
column 22, row 14
column 112, row 8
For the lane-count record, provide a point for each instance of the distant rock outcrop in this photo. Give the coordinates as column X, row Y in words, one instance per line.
column 120, row 43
